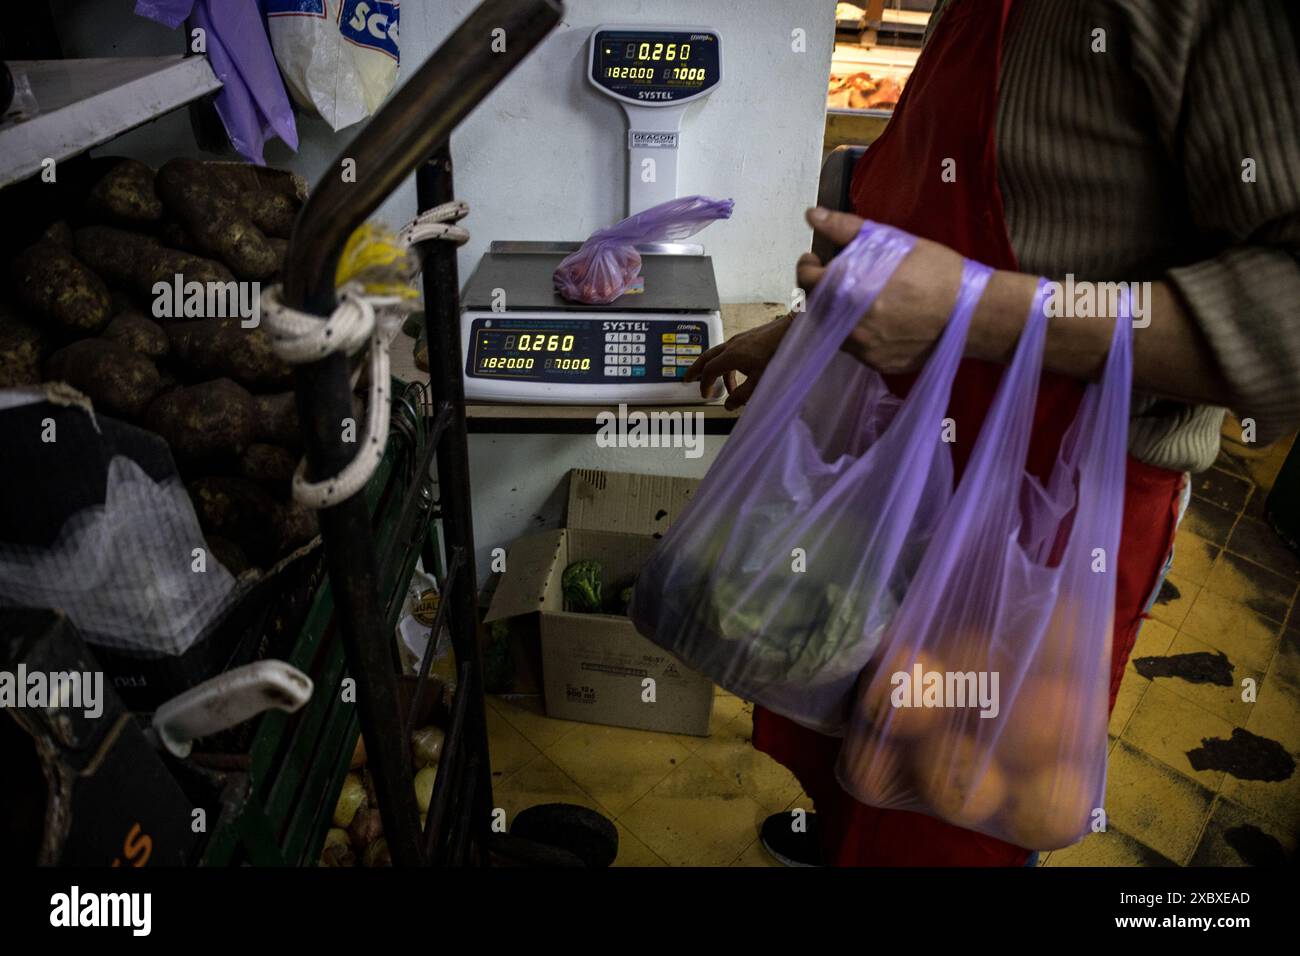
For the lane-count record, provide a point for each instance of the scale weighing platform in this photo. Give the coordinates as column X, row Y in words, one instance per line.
column 523, row 342
column 546, row 349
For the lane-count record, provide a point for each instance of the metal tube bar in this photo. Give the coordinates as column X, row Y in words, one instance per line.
column 434, row 185
column 419, row 117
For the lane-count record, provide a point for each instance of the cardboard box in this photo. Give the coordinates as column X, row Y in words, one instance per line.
column 595, row 666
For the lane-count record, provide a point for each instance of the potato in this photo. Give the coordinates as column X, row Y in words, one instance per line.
column 59, row 233
column 352, row 797
column 21, row 347
column 272, row 197
column 223, row 348
column 116, row 379
column 139, row 334
column 424, row 781
column 377, row 854
column 270, row 466
column 174, row 234
column 960, row 782
column 213, row 420
column 294, row 527
column 367, row 827
column 1053, row 807
column 277, row 420
column 281, row 249
column 217, row 216
column 58, row 287
column 1040, row 723
column 275, row 216
column 136, row 261
column 230, row 555
column 337, row 851
column 877, row 704
column 242, row 511
column 426, row 745
column 125, row 194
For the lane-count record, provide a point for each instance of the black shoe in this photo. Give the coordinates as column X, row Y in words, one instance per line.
column 790, row 846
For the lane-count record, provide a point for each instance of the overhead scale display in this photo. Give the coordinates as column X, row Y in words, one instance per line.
column 654, row 73
column 655, row 66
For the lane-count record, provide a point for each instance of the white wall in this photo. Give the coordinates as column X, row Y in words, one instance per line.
column 518, row 483
column 543, row 157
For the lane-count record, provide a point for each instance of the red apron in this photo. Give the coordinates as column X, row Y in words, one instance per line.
column 948, row 112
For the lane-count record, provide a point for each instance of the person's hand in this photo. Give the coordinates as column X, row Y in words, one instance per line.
column 747, row 353
column 905, row 321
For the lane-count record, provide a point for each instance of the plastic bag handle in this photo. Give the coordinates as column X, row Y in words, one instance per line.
column 1002, row 446
column 852, row 282
column 927, row 401
column 1095, row 448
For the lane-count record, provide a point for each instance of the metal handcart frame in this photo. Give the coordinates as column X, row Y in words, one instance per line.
column 411, row 134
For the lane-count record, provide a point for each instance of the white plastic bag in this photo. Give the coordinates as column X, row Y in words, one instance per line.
column 339, row 58
column 124, row 571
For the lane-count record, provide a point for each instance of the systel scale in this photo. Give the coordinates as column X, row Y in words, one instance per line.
column 523, row 342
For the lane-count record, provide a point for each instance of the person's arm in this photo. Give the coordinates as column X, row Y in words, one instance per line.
column 1170, row 356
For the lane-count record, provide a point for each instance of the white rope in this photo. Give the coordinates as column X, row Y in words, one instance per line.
column 437, row 223
column 298, row 338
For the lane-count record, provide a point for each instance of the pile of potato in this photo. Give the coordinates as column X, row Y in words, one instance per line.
column 83, row 314
column 357, row 835
column 1025, row 775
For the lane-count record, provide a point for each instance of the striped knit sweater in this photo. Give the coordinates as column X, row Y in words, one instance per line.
column 1130, row 165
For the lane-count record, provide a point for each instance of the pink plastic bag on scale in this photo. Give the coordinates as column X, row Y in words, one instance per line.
column 779, row 577
column 607, row 265
column 986, row 701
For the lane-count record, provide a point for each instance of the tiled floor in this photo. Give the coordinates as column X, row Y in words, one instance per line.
column 1203, row 761
column 1202, row 765
column 677, row 800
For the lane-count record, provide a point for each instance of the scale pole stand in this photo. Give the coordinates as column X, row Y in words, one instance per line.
column 652, row 137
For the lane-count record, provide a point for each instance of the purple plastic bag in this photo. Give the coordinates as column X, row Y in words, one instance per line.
column 608, row 264
column 779, row 577
column 252, row 104
column 987, row 702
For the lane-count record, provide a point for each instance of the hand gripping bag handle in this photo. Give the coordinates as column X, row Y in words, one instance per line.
column 847, row 291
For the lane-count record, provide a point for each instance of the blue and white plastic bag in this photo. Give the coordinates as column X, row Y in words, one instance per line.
column 339, row 57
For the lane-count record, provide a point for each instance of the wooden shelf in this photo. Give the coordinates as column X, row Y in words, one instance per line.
column 84, row 103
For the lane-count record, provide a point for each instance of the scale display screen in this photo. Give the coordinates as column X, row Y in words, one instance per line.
column 584, row 351
column 655, row 65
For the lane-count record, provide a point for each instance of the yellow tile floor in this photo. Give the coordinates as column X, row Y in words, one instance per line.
column 691, row 801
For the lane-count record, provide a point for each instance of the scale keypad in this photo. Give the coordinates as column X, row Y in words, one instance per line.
column 625, row 354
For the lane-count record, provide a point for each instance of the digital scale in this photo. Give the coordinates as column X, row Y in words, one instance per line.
column 523, row 342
